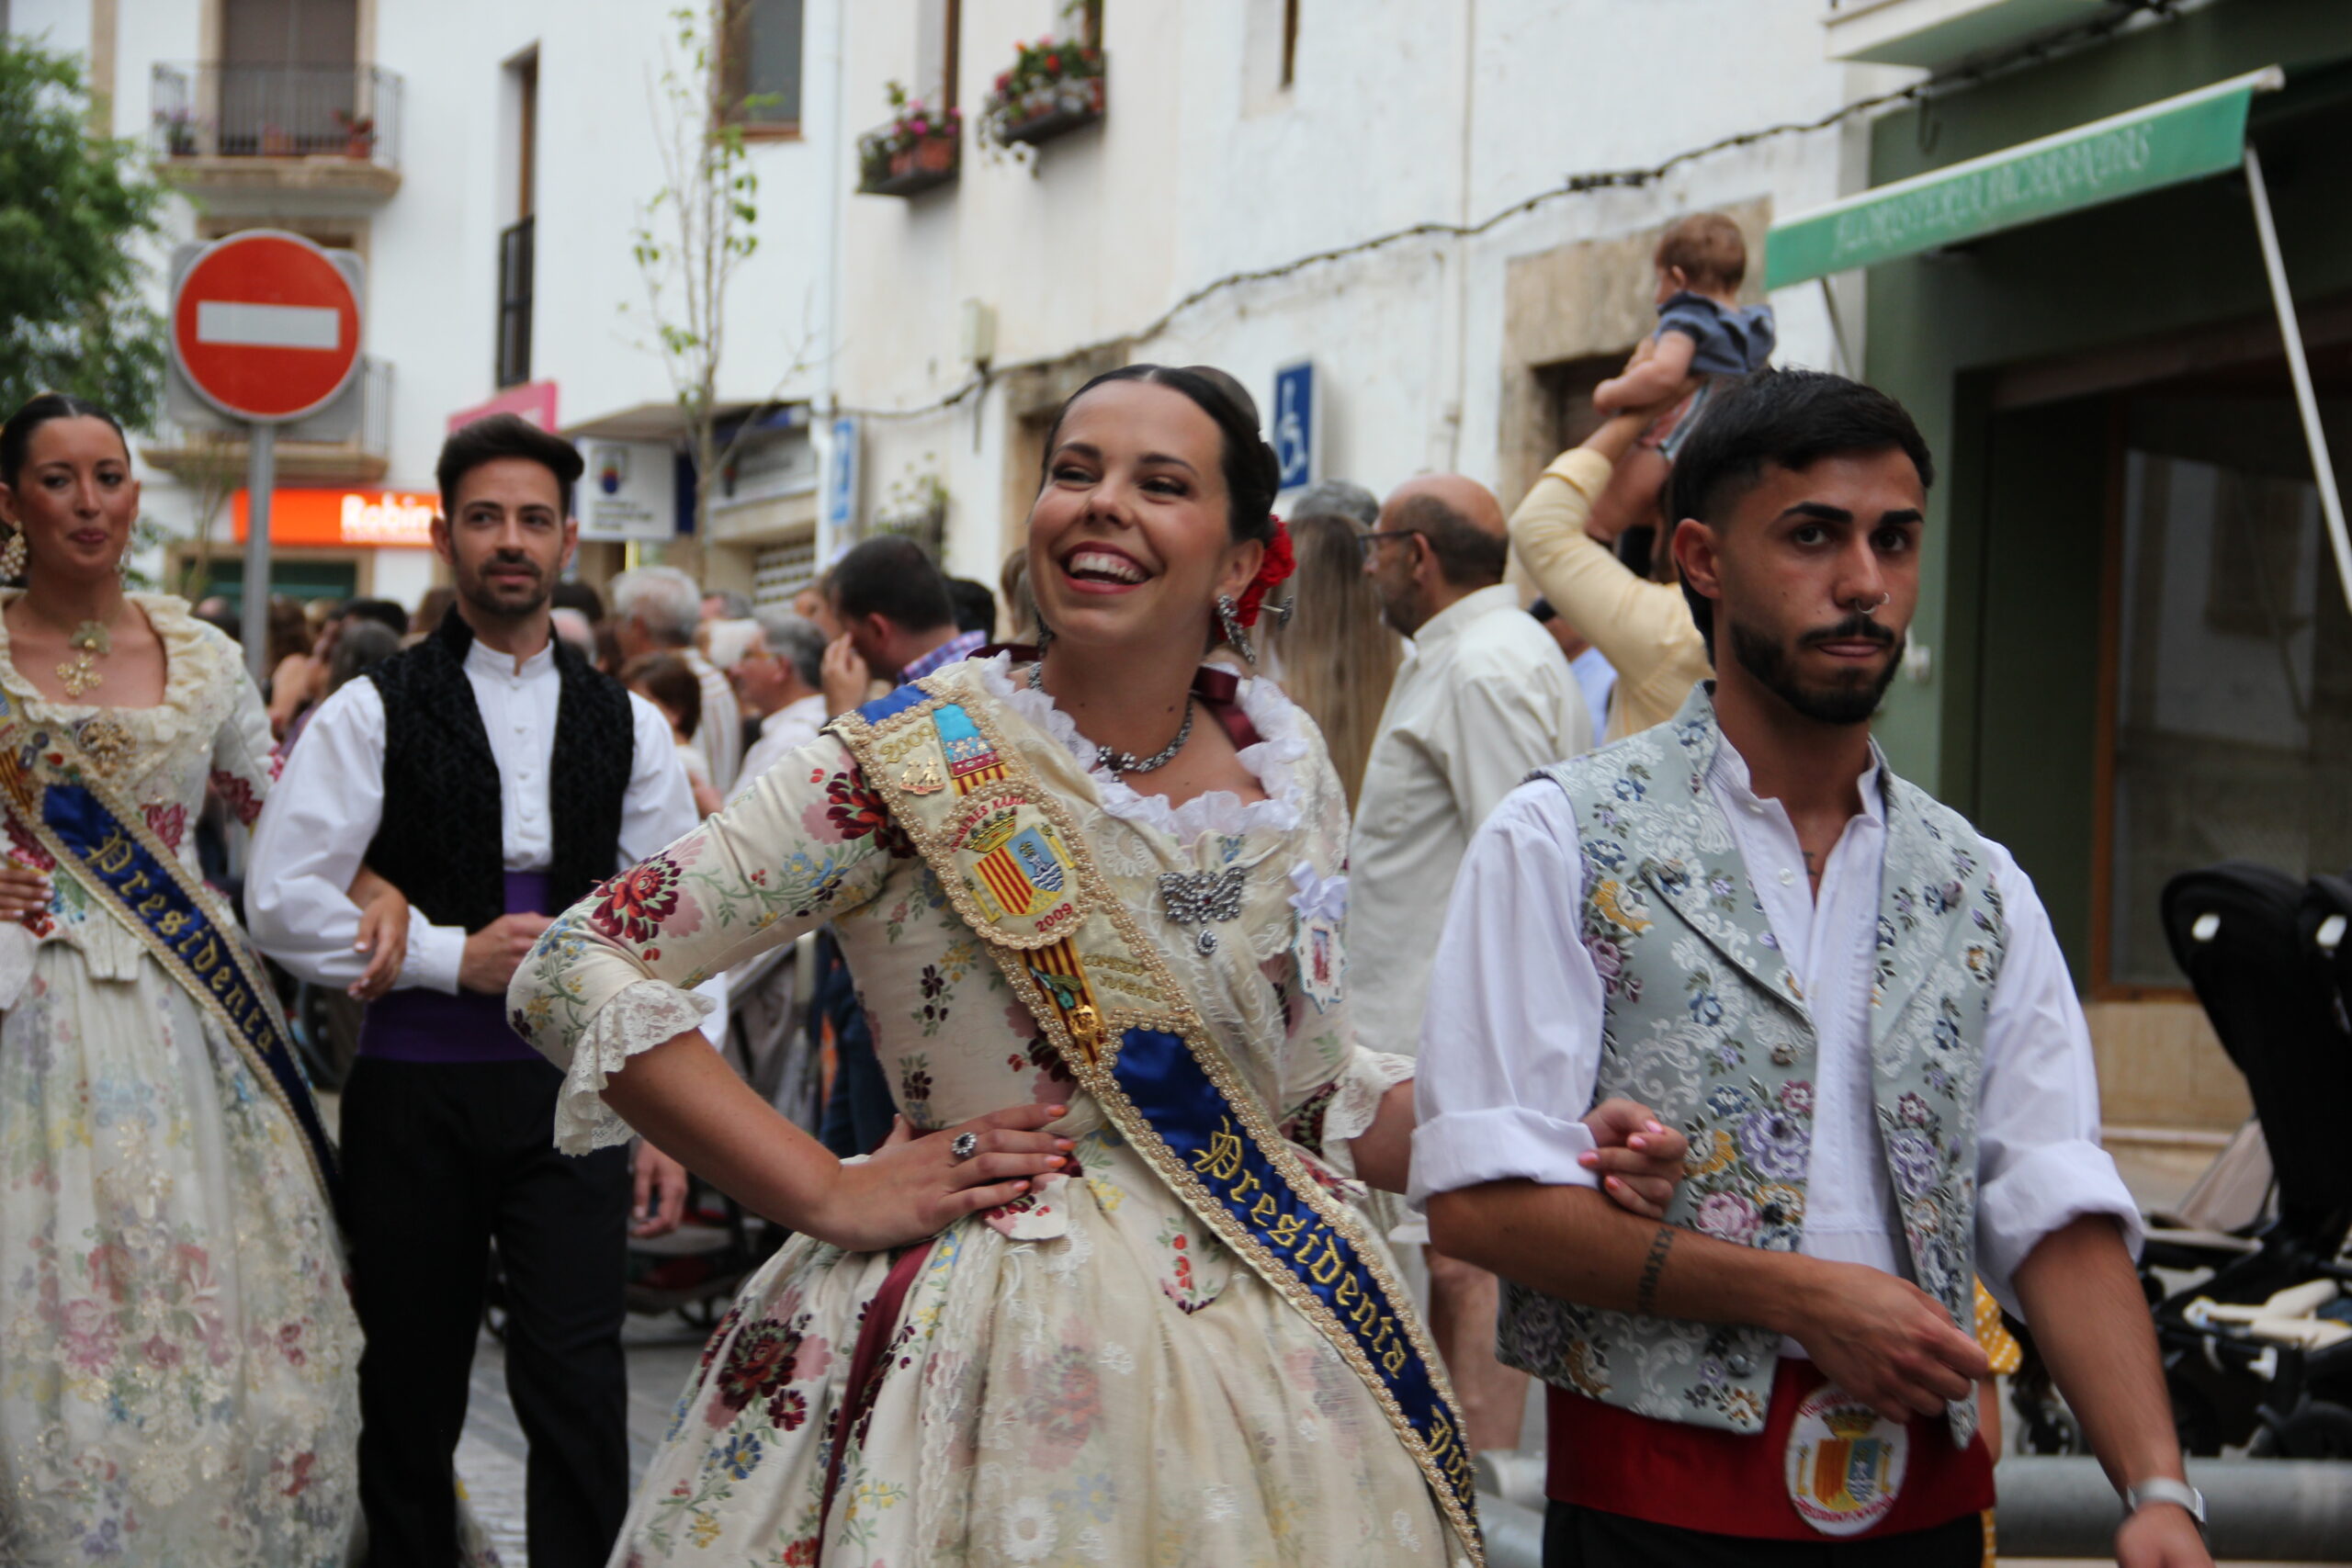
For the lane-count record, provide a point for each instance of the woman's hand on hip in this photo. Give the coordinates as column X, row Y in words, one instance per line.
column 24, row 891
column 914, row 1187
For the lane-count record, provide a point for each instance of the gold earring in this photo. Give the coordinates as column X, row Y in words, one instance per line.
column 12, row 556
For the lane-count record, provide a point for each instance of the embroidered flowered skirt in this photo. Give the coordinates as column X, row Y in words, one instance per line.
column 1127, row 1393
column 178, row 1358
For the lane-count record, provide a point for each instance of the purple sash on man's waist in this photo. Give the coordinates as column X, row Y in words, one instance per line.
column 418, row 1024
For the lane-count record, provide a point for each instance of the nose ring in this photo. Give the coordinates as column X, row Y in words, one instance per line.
column 1884, row 600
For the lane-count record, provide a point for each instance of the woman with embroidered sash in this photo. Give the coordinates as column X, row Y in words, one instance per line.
column 177, row 1352
column 1138, row 1320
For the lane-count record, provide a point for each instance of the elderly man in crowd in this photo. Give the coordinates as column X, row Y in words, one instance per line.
column 656, row 610
column 1485, row 698
column 781, row 678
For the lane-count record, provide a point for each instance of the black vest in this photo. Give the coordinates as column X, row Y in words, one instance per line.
column 441, row 841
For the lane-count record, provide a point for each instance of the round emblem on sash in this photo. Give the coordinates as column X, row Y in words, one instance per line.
column 1845, row 1462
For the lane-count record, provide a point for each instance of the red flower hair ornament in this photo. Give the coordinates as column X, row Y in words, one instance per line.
column 1278, row 564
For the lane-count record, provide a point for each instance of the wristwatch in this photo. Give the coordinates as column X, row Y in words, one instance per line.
column 2164, row 1489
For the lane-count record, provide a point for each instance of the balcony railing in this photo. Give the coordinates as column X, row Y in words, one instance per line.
column 348, row 112
column 353, row 447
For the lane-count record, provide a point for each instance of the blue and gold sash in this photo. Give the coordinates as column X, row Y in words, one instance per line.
column 56, row 790
column 1004, row 848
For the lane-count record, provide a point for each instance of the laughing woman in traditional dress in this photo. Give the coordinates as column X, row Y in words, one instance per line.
column 1138, row 1320
column 176, row 1354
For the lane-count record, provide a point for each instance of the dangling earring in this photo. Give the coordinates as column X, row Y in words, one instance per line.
column 1236, row 636
column 12, row 556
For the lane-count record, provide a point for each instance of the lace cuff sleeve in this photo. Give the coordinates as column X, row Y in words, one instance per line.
column 1355, row 1099
column 638, row 1018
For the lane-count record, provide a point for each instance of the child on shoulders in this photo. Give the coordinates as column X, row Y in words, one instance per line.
column 1703, row 331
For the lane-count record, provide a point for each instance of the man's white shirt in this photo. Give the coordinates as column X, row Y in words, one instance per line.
column 718, row 736
column 782, row 732
column 1511, row 1045
column 323, row 811
column 1484, row 698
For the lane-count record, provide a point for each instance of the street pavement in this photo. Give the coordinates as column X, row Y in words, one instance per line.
column 662, row 1352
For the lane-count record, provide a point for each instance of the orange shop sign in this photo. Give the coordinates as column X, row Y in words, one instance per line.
column 363, row 519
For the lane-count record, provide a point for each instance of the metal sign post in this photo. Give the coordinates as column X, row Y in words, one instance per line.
column 2298, row 370
column 261, row 479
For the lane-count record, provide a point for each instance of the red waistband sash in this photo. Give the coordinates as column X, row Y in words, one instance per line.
column 1700, row 1478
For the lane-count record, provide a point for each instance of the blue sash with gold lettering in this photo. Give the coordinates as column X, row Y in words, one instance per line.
column 1007, row 855
column 52, row 788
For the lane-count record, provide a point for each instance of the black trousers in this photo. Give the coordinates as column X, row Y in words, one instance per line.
column 1586, row 1538
column 438, row 1160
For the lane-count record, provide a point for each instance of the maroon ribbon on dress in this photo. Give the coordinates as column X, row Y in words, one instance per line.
column 867, row 1363
column 1219, row 691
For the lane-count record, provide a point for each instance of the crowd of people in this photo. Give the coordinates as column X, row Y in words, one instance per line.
column 1235, row 942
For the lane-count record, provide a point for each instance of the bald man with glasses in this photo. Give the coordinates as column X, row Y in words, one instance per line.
column 1485, row 698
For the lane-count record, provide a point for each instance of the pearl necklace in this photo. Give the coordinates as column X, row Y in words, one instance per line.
column 1117, row 761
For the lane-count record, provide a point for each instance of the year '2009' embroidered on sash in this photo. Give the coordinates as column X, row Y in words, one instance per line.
column 54, row 792
column 1004, row 850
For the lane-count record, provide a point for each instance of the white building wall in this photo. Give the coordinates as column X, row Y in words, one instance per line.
column 1403, row 112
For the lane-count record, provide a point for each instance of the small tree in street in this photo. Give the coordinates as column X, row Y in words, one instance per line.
column 74, row 212
column 696, row 232
column 211, row 469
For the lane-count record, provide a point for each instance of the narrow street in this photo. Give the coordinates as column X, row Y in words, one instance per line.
column 661, row 1351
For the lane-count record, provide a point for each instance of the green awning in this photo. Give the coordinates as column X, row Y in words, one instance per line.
column 2180, row 139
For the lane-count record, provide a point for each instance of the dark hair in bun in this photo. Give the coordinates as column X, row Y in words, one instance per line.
column 16, row 436
column 1252, row 474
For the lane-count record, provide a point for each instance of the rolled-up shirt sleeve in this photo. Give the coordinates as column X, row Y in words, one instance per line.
column 1510, row 1039
column 2040, row 1165
column 322, row 815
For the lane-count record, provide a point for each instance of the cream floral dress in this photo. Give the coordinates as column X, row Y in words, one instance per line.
column 177, row 1356
column 1092, row 1378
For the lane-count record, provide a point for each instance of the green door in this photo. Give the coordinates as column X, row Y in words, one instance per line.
column 289, row 579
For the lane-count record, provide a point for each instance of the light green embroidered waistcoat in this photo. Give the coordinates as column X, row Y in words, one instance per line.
column 1707, row 1024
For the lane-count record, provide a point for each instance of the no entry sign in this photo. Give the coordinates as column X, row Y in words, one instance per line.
column 266, row 327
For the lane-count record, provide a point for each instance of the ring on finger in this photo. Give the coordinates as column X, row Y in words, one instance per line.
column 966, row 1145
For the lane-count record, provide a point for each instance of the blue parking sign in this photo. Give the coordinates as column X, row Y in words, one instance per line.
column 1294, row 428
column 841, row 477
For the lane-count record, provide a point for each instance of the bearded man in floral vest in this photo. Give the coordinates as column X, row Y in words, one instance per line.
column 1852, row 1004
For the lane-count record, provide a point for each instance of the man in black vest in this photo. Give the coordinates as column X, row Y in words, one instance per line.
column 495, row 777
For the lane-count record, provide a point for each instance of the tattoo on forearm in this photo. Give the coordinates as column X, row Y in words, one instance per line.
column 1646, row 1294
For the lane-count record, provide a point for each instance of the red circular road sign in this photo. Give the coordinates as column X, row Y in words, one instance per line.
column 266, row 326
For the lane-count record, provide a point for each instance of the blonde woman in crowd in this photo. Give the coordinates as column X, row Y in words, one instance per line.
column 1335, row 656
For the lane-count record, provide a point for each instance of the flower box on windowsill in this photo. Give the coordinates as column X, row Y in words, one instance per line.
column 932, row 162
column 1051, row 111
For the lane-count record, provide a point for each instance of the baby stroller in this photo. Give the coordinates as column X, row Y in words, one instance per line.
column 2258, row 1352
